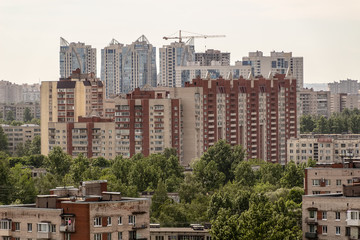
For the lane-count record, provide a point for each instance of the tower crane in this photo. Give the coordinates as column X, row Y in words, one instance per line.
column 180, row 37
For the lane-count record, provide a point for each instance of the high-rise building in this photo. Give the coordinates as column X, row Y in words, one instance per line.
column 258, row 113
column 344, row 86
column 171, row 56
column 211, row 55
column 10, row 92
column 341, row 101
column 138, row 65
column 215, row 70
column 317, row 103
column 67, row 99
column 74, row 56
column 277, row 62
column 111, row 68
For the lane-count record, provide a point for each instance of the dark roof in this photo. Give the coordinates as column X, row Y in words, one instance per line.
column 66, row 84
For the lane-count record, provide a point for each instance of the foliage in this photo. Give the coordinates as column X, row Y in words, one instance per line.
column 3, row 140
column 27, row 115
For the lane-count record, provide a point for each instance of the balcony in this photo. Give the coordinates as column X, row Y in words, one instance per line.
column 67, row 228
column 311, row 235
column 310, row 220
column 353, row 218
column 5, row 232
column 139, row 226
column 43, row 235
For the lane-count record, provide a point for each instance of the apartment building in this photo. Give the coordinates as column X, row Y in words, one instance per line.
column 332, row 216
column 16, row 110
column 317, row 103
column 277, row 62
column 210, row 55
column 148, row 122
column 162, row 233
column 67, row 99
column 192, row 70
column 258, row 113
column 341, row 101
column 12, row 93
column 325, row 179
column 323, row 148
column 20, row 134
column 171, row 57
column 76, row 56
column 88, row 212
column 344, row 86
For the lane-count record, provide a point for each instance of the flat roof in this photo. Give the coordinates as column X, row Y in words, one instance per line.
column 179, row 230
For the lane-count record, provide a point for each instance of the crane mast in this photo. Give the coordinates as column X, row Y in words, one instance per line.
column 180, row 37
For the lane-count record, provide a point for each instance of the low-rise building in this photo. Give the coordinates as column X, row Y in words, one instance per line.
column 332, row 216
column 20, row 134
column 88, row 212
column 323, row 148
column 179, row 234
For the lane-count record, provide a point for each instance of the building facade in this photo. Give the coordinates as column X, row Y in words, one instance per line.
column 139, row 65
column 341, row 101
column 179, row 233
column 317, row 103
column 211, row 55
column 258, row 113
column 332, row 216
column 111, row 68
column 193, row 70
column 67, row 99
column 88, row 212
column 76, row 56
column 323, row 148
column 172, row 56
column 277, row 62
column 20, row 134
column 17, row 110
column 344, row 86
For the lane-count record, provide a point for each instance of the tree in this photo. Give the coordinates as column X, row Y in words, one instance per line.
column 158, row 199
column 58, row 163
column 27, row 115
column 5, row 184
column 35, row 146
column 10, row 116
column 3, row 140
column 78, row 167
column 293, row 175
column 24, row 187
column 22, row 149
column 244, row 174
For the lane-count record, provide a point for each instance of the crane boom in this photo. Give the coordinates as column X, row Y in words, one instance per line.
column 200, row 36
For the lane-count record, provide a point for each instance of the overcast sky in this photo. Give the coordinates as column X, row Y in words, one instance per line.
column 325, row 32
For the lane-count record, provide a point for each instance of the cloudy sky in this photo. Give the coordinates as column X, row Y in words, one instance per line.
column 325, row 32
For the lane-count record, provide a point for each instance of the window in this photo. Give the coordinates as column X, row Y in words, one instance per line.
column 132, row 219
column 312, row 228
column 327, row 182
column 17, row 226
column 324, row 215
column 132, row 235
column 312, row 214
column 109, row 221
column 337, row 230
column 316, row 182
column 53, row 227
column 29, row 227
column 159, row 237
column 337, row 215
column 120, row 236
column 338, row 182
column 97, row 222
column 119, row 220
column 43, row 227
column 324, row 229
column 5, row 224
column 353, row 215
column 97, row 236
column 109, row 236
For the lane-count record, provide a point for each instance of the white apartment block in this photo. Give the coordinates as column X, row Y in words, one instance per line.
column 344, row 86
column 172, row 56
column 323, row 148
column 277, row 62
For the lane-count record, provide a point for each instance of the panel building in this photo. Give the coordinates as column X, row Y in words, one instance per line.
column 76, row 56
column 211, row 55
column 323, row 148
column 277, row 62
column 316, row 103
column 172, row 56
column 344, row 86
column 88, row 212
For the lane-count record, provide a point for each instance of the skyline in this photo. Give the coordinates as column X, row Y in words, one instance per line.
column 326, row 38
